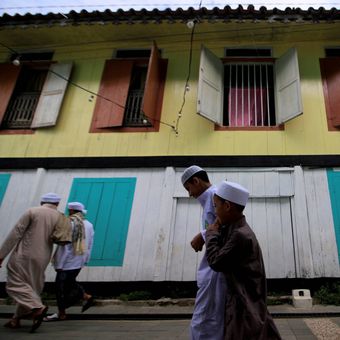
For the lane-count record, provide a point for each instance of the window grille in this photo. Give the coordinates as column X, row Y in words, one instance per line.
column 249, row 89
column 21, row 108
column 133, row 115
column 20, row 111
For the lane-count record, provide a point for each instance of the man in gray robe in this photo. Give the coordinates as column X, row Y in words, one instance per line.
column 32, row 245
column 232, row 248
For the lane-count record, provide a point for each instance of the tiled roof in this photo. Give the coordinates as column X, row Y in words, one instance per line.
column 23, row 7
column 179, row 14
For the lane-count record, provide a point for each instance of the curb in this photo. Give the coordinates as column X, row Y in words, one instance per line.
column 178, row 316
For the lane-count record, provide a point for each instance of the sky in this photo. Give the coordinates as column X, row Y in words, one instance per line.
column 64, row 6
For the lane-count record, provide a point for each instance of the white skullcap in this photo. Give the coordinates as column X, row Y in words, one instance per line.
column 233, row 192
column 189, row 172
column 50, row 197
column 76, row 206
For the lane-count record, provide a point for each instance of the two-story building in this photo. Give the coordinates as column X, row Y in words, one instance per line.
column 108, row 106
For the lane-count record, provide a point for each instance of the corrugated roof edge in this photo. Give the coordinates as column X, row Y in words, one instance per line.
column 156, row 15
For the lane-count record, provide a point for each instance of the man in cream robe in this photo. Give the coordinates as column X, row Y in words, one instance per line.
column 31, row 242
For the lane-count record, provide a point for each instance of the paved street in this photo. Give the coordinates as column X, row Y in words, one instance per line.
column 112, row 319
column 290, row 329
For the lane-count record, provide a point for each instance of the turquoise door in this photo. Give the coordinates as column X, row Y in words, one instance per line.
column 334, row 190
column 108, row 202
column 4, row 179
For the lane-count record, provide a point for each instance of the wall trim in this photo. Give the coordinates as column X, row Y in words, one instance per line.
column 317, row 161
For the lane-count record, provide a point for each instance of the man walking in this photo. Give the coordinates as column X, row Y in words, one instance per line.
column 68, row 261
column 208, row 317
column 32, row 245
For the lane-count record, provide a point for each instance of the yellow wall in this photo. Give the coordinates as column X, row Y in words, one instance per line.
column 89, row 46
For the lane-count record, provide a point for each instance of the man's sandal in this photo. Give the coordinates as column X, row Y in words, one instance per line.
column 12, row 324
column 38, row 318
column 87, row 304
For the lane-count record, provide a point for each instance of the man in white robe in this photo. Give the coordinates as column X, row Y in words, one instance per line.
column 32, row 245
column 208, row 317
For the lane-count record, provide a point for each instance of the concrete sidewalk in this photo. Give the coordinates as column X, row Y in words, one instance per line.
column 165, row 320
column 167, row 309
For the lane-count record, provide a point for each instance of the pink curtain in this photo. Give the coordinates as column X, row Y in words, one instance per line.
column 253, row 111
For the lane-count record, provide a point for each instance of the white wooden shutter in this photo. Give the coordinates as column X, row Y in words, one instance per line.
column 51, row 96
column 210, row 87
column 288, row 89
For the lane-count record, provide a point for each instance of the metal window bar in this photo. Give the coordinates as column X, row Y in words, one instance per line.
column 249, row 120
column 236, row 97
column 229, row 102
column 255, row 97
column 242, row 97
column 259, row 83
column 21, row 110
column 133, row 115
column 261, row 95
column 267, row 89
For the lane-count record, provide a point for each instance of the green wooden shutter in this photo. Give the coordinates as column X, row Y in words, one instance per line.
column 288, row 89
column 108, row 202
column 4, row 179
column 52, row 95
column 210, row 87
column 334, row 191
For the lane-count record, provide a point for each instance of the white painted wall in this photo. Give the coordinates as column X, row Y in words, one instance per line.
column 289, row 210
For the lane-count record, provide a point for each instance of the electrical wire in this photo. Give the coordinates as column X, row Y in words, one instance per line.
column 9, row 48
column 85, row 89
column 186, row 86
column 89, row 91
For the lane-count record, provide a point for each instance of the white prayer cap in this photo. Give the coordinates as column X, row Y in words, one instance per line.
column 76, row 206
column 189, row 172
column 50, row 197
column 233, row 192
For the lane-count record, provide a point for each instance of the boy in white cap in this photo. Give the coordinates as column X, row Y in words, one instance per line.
column 208, row 317
column 68, row 261
column 232, row 248
column 31, row 242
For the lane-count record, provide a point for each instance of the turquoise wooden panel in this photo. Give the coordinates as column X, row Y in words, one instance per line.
column 4, row 179
column 103, row 221
column 115, row 238
column 109, row 203
column 334, row 190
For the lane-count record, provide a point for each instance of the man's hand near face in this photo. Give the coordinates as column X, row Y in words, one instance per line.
column 215, row 226
column 197, row 242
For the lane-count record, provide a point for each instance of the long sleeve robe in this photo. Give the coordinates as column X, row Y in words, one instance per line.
column 235, row 251
column 32, row 246
column 64, row 257
column 208, row 316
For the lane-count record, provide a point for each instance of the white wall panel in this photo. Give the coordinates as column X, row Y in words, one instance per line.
column 289, row 211
column 183, row 260
column 321, row 227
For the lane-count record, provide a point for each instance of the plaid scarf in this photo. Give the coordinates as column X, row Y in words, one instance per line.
column 78, row 233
